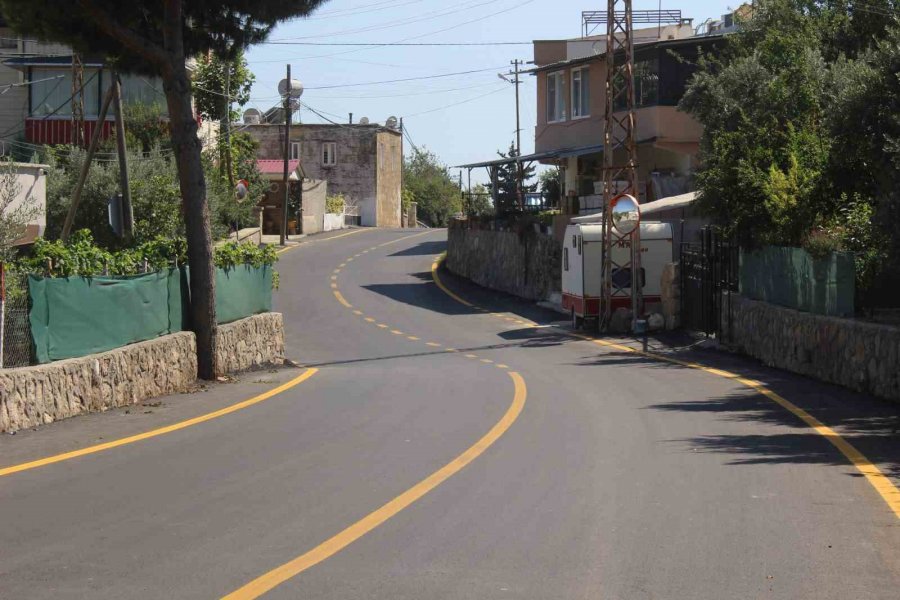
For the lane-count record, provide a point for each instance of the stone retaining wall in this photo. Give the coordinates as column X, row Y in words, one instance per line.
column 525, row 265
column 31, row 396
column 251, row 342
column 859, row 355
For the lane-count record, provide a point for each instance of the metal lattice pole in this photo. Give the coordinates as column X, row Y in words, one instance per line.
column 619, row 160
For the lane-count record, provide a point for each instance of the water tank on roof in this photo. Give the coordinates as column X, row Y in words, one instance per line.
column 364, row 121
column 252, row 116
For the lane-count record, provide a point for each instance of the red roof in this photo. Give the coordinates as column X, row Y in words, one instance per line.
column 272, row 167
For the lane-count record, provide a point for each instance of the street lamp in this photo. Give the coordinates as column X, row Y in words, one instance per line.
column 290, row 91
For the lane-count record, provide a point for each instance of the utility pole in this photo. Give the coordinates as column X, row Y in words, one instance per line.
column 77, row 101
column 519, row 171
column 226, row 124
column 619, row 173
column 287, row 156
column 127, row 210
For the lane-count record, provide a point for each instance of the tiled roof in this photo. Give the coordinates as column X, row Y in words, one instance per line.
column 271, row 167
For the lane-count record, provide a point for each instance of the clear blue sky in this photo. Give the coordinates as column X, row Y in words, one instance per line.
column 483, row 120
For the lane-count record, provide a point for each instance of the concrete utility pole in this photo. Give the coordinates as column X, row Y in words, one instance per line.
column 519, row 171
column 287, row 156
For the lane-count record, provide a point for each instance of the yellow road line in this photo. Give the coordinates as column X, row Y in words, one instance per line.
column 328, row 239
column 433, row 344
column 382, row 325
column 412, row 338
column 876, row 478
column 437, row 280
column 341, row 299
column 161, row 431
column 396, row 332
column 370, row 319
column 358, row 312
column 338, row 542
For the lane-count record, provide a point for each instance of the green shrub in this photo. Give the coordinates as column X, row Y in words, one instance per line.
column 335, row 204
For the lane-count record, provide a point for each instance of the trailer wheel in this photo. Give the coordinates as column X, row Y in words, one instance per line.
column 577, row 322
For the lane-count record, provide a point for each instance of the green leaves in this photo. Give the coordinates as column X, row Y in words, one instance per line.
column 429, row 185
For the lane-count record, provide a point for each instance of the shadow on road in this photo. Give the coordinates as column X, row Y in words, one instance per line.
column 423, row 249
column 875, row 435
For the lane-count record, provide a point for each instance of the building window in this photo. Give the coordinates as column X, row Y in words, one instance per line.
column 556, row 98
column 295, row 150
column 581, row 93
column 329, row 154
column 646, row 84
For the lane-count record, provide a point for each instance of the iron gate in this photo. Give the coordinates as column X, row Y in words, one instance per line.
column 708, row 269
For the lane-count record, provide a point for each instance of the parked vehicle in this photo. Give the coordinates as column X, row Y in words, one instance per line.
column 582, row 258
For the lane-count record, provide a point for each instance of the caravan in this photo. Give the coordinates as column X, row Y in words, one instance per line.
column 582, row 262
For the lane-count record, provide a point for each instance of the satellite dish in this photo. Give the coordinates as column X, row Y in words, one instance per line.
column 391, row 123
column 252, row 116
column 626, row 213
column 294, row 90
column 598, row 48
column 364, row 121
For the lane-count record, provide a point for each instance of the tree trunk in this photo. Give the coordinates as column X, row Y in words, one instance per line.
column 186, row 144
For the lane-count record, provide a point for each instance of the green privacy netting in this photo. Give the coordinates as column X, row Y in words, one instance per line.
column 76, row 316
column 792, row 277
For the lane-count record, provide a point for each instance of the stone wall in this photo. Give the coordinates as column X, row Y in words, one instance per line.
column 523, row 264
column 357, row 161
column 251, row 342
column 856, row 354
column 31, row 396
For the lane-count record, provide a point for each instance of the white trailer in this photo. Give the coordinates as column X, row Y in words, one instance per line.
column 582, row 262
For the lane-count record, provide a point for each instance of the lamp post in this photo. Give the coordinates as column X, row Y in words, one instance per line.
column 289, row 90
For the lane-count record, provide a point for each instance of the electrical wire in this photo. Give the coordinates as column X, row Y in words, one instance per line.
column 345, row 85
column 400, row 44
column 425, row 112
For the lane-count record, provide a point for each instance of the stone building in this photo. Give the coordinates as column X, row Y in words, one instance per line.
column 362, row 162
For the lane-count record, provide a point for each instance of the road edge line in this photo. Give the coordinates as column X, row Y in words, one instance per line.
column 268, row 581
column 57, row 458
column 874, row 476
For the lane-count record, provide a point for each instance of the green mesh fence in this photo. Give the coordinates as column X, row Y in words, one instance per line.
column 791, row 277
column 76, row 316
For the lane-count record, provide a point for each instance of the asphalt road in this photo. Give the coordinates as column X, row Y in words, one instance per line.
column 442, row 451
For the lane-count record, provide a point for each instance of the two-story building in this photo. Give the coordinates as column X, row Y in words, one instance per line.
column 362, row 162
column 571, row 106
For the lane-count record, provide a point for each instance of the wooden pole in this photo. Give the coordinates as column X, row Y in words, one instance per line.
column 127, row 210
column 82, row 177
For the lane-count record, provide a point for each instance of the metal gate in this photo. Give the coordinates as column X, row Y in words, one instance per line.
column 708, row 269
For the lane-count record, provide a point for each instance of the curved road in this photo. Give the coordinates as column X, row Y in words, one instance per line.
column 456, row 445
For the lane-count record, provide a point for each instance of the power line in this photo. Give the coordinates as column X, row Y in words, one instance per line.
column 343, row 85
column 400, row 44
column 397, row 23
column 425, row 112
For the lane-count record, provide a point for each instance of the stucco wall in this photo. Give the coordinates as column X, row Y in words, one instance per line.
column 526, row 265
column 859, row 355
column 31, row 396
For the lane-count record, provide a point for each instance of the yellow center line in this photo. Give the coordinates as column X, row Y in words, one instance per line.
column 338, row 542
column 433, row 344
column 396, row 332
column 334, row 286
column 876, row 478
column 501, row 366
column 471, row 356
column 160, row 431
column 486, row 361
column 382, row 325
column 341, row 299
column 370, row 319
column 357, row 312
column 328, row 239
column 412, row 337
